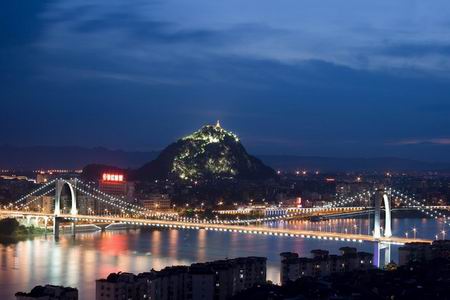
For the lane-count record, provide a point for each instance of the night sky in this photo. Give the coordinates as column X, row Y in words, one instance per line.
column 328, row 78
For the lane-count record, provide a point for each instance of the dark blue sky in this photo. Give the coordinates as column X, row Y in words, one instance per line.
column 329, row 78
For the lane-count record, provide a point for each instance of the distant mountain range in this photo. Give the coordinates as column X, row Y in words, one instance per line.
column 49, row 157
column 335, row 164
column 52, row 157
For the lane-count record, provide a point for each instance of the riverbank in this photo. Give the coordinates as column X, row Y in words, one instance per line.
column 11, row 231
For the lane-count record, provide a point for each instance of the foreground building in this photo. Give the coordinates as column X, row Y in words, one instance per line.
column 211, row 280
column 49, row 292
column 421, row 252
column 322, row 264
column 420, row 280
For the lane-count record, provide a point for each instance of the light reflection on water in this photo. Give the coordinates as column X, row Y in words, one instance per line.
column 80, row 261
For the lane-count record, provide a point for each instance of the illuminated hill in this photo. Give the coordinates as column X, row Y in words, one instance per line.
column 209, row 153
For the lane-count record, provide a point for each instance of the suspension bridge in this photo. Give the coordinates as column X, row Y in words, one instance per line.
column 113, row 210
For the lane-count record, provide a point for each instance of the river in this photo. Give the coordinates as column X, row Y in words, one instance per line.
column 79, row 261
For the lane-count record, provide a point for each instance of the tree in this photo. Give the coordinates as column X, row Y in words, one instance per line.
column 8, row 226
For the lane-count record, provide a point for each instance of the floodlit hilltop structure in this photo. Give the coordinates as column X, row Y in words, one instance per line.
column 209, row 153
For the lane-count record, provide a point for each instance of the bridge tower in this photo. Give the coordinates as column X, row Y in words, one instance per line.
column 381, row 254
column 59, row 185
column 382, row 196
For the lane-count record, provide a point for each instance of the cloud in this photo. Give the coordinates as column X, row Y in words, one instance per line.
column 316, row 73
column 416, row 50
column 430, row 141
column 365, row 37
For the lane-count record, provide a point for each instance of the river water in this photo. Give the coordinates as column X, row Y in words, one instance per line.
column 79, row 261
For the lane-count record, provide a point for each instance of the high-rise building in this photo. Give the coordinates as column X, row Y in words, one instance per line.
column 87, row 205
column 48, row 204
column 421, row 252
column 44, row 204
column 234, row 275
column 118, row 286
column 116, row 185
column 211, row 280
column 322, row 263
column 44, row 177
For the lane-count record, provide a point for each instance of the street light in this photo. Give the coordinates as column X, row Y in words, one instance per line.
column 415, row 231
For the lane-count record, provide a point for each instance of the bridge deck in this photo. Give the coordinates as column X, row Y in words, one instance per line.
column 250, row 229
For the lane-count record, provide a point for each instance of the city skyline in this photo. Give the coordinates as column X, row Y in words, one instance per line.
column 138, row 76
column 224, row 150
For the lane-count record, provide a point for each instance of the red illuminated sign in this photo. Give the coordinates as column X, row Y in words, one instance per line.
column 299, row 202
column 112, row 177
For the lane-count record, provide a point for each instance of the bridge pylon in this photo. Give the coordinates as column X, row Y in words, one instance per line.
column 59, row 185
column 382, row 196
column 382, row 254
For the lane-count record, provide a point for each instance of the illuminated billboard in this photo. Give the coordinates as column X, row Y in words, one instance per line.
column 112, row 177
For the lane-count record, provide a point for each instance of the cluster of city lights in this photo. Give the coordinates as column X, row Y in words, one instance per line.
column 51, row 171
column 275, row 218
column 126, row 206
column 104, row 200
column 37, row 198
column 136, row 211
column 219, row 229
column 33, row 192
column 420, row 205
column 349, row 200
column 410, row 201
column 165, row 216
column 112, row 198
column 27, row 204
column 142, row 211
column 139, row 210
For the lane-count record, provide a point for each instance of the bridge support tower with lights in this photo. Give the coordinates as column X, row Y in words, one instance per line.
column 59, row 186
column 382, row 196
